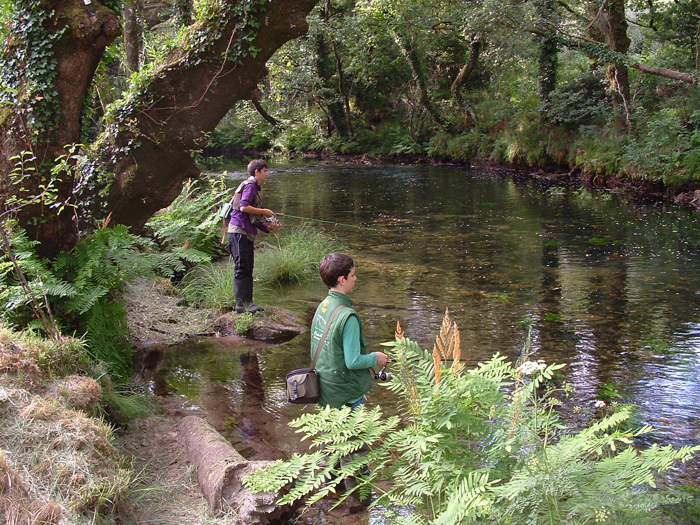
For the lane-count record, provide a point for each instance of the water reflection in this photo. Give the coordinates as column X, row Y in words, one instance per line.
column 610, row 289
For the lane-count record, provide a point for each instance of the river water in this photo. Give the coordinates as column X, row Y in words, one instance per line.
column 611, row 289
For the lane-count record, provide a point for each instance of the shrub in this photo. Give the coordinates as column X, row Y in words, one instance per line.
column 77, row 291
column 189, row 229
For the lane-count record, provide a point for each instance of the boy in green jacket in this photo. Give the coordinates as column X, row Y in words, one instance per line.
column 343, row 365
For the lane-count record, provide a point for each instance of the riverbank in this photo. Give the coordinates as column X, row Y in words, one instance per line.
column 153, row 442
column 635, row 189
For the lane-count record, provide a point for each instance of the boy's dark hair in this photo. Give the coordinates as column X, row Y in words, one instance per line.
column 334, row 265
column 256, row 165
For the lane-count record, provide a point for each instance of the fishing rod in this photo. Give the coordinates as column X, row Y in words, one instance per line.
column 327, row 222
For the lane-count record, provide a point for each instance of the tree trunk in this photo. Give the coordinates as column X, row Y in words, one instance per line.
column 416, row 63
column 132, row 34
column 618, row 74
column 325, row 62
column 468, row 68
column 83, row 31
column 264, row 114
column 147, row 149
column 548, row 56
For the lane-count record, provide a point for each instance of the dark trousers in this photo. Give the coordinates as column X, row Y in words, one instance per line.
column 243, row 253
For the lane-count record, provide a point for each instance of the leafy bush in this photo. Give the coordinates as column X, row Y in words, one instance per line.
column 483, row 445
column 668, row 150
column 190, row 228
column 580, row 102
column 298, row 139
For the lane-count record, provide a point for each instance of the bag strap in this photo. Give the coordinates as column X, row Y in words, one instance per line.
column 323, row 337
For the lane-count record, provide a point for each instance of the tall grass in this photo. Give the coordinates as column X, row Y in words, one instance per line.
column 293, row 255
column 210, row 286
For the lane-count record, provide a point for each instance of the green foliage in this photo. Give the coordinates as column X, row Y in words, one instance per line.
column 483, row 445
column 188, row 230
column 79, row 290
column 668, row 150
column 28, row 66
column 294, row 255
column 320, row 473
column 298, row 139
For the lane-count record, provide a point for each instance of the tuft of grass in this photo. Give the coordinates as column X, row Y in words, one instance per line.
column 244, row 322
column 295, row 255
column 28, row 353
column 210, row 286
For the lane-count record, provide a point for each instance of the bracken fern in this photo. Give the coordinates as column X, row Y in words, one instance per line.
column 483, row 445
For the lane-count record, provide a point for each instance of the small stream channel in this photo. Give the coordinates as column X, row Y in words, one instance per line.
column 611, row 289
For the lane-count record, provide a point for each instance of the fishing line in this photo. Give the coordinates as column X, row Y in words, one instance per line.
column 327, row 222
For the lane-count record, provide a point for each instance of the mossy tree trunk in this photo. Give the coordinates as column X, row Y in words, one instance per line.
column 618, row 73
column 548, row 54
column 146, row 152
column 56, row 49
column 609, row 26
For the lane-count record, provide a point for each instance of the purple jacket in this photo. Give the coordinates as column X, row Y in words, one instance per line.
column 250, row 196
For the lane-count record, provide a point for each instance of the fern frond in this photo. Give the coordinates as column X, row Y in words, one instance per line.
column 468, row 501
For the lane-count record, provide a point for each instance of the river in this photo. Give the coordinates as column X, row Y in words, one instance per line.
column 611, row 289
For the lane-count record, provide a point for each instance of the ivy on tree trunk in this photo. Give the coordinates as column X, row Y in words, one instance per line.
column 151, row 134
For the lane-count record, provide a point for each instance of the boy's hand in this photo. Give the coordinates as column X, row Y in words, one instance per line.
column 382, row 359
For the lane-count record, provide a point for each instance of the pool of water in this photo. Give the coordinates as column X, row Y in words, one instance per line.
column 612, row 289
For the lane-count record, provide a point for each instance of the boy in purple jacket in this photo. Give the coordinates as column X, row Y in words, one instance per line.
column 247, row 216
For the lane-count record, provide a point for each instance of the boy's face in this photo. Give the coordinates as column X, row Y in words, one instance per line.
column 346, row 284
column 261, row 175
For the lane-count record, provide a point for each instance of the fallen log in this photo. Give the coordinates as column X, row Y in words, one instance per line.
column 220, row 474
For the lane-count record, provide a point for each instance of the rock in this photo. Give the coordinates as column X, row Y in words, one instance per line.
column 220, row 474
column 274, row 325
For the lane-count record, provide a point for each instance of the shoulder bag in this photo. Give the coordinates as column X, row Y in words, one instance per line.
column 302, row 384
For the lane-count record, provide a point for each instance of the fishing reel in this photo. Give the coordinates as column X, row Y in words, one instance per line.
column 383, row 375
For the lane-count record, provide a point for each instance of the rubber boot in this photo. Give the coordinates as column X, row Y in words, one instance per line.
column 238, row 292
column 247, row 294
